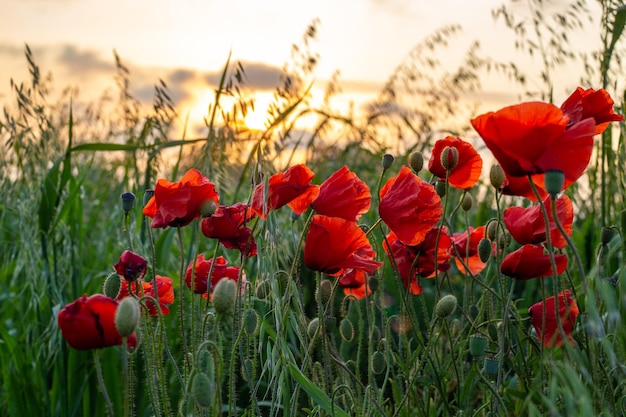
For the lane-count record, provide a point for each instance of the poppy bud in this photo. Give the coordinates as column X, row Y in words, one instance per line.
column 373, row 284
column 312, row 327
column 449, row 157
column 378, row 363
column 112, row 285
column 250, row 321
column 477, row 345
column 205, row 362
column 446, row 306
column 248, row 370
column 440, row 188
column 416, row 161
column 607, row 235
column 127, row 316
column 484, row 249
column 263, row 289
column 202, row 390
column 492, row 228
column 224, row 295
column 491, row 366
column 330, row 323
column 467, row 202
column 326, row 290
column 147, row 195
column 128, row 201
column 553, row 181
column 387, row 160
column 496, row 176
column 346, row 330
column 207, row 208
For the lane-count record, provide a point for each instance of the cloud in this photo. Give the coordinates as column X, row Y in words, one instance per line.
column 84, row 62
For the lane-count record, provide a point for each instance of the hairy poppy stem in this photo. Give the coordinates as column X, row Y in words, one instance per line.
column 101, row 384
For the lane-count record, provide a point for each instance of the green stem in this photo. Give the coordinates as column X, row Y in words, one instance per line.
column 103, row 387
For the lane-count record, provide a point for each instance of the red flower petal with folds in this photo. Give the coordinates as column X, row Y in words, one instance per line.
column 409, row 206
column 343, row 195
column 526, row 224
column 292, row 188
column 519, row 186
column 582, row 104
column 176, row 204
column 568, row 312
column 131, row 266
column 202, row 284
column 165, row 293
column 227, row 225
column 89, row 323
column 353, row 283
column 466, row 250
column 530, row 261
column 534, row 137
column 334, row 245
column 419, row 260
column 468, row 168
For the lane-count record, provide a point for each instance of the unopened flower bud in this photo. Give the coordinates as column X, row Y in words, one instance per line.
column 224, row 295
column 440, row 188
column 492, row 228
column 496, row 176
column 449, row 157
column 554, row 181
column 147, row 195
column 207, row 208
column 112, row 285
column 484, row 249
column 263, row 289
column 379, row 364
column 326, row 290
column 387, row 160
column 446, row 306
column 467, row 202
column 202, row 390
column 128, row 201
column 477, row 345
column 250, row 321
column 606, row 235
column 416, row 161
column 346, row 330
column 311, row 329
column 127, row 316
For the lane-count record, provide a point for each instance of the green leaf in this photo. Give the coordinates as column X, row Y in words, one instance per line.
column 104, row 147
column 618, row 26
column 317, row 395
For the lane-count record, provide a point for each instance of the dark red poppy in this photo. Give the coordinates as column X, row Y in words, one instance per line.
column 526, row 224
column 343, row 195
column 530, row 261
column 536, row 137
column 334, row 245
column 466, row 172
column 416, row 261
column 176, row 204
column 131, row 266
column 409, row 206
column 568, row 312
column 598, row 104
column 466, row 250
column 165, row 293
column 228, row 226
column 292, row 188
column 202, row 284
column 89, row 323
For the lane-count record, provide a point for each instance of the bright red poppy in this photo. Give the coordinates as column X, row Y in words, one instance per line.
column 292, row 188
column 353, row 283
column 228, row 225
column 468, row 168
column 519, row 186
column 466, row 250
column 202, row 284
column 343, row 195
column 131, row 266
column 409, row 206
column 598, row 104
column 89, row 323
column 530, row 261
column 176, row 204
column 526, row 224
column 334, row 245
column 416, row 261
column 535, row 137
column 165, row 293
column 568, row 312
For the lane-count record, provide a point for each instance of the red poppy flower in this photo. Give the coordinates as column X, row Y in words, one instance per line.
column 227, row 225
column 165, row 293
column 89, row 323
column 466, row 250
column 353, row 283
column 519, row 186
column 176, row 204
column 202, row 284
column 535, row 137
column 568, row 312
column 530, row 261
column 343, row 195
column 526, row 225
column 582, row 104
column 419, row 260
column 468, row 168
column 131, row 266
column 292, row 188
column 409, row 206
column 334, row 245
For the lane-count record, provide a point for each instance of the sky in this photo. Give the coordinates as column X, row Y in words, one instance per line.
column 187, row 42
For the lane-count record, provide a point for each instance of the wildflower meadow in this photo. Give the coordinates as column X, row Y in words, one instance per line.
column 450, row 272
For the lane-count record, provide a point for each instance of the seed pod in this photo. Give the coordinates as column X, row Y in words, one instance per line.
column 127, row 316
column 128, row 201
column 387, row 161
column 477, row 345
column 491, row 366
column 553, row 182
